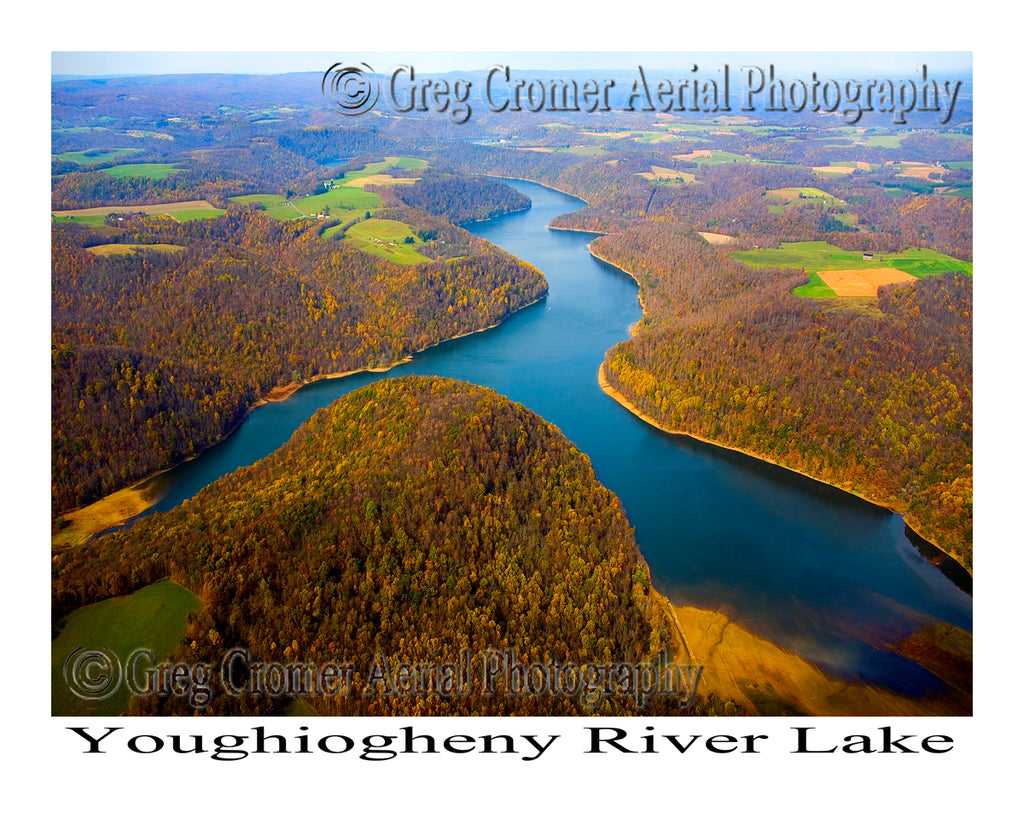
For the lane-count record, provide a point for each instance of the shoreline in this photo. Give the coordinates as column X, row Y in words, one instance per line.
column 764, row 679
column 910, row 522
column 104, row 509
column 639, row 294
column 495, row 216
column 621, row 399
column 535, row 182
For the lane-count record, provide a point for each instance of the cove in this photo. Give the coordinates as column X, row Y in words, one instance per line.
column 820, row 572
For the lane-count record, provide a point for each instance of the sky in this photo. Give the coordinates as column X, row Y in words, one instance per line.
column 881, row 63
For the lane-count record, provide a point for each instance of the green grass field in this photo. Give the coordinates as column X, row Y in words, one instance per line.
column 153, row 618
column 274, row 205
column 817, row 256
column 796, row 195
column 91, row 221
column 200, row 213
column 95, row 156
column 883, row 140
column 150, row 170
column 338, row 198
column 408, row 163
column 657, row 136
column 386, row 238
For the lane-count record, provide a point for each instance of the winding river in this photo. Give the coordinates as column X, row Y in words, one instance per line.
column 822, row 573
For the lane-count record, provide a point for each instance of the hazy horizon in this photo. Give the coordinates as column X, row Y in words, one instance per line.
column 121, row 63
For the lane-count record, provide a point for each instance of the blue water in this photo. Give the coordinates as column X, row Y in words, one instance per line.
column 823, row 573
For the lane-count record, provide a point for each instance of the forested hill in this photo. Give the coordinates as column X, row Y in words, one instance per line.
column 415, row 516
column 457, row 197
column 877, row 401
column 160, row 349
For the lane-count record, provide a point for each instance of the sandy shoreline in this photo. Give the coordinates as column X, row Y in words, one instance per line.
column 764, row 679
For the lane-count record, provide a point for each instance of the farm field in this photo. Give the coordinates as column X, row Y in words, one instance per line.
column 154, row 617
column 177, row 208
column 815, row 257
column 712, row 157
column 583, row 150
column 344, row 193
column 882, row 140
column 668, row 175
column 189, row 214
column 150, row 170
column 95, row 156
column 124, row 249
column 843, row 168
column 716, row 238
column 785, row 197
column 862, row 282
column 386, row 238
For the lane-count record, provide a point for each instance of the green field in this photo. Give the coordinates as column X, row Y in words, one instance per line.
column 153, row 618
column 721, row 157
column 656, row 136
column 782, row 199
column 409, row 163
column 385, row 237
column 150, row 170
column 274, row 205
column 199, row 213
column 95, row 156
column 91, row 221
column 804, row 195
column 883, row 140
column 337, row 198
column 816, row 256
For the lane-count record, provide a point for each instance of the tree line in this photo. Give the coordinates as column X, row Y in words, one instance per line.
column 876, row 401
column 156, row 355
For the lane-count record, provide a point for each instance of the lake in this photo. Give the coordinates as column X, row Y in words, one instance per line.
column 821, row 572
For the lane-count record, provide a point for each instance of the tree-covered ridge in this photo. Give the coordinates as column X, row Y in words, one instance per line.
column 457, row 197
column 417, row 517
column 157, row 355
column 876, row 402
